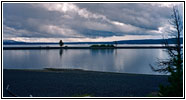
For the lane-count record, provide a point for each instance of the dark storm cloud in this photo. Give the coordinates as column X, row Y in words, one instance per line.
column 83, row 20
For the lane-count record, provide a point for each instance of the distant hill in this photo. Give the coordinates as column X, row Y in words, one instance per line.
column 149, row 41
column 12, row 42
column 144, row 41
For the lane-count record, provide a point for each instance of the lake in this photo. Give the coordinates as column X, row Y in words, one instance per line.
column 77, row 45
column 106, row 60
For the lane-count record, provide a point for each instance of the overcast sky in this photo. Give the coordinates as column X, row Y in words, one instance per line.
column 50, row 22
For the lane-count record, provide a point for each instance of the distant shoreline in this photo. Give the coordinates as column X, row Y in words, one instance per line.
column 120, row 47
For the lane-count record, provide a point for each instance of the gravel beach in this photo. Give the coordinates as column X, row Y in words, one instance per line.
column 75, row 83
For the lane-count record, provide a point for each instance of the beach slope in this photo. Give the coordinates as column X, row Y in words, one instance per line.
column 75, row 83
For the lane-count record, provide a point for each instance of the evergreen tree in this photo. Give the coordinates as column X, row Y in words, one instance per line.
column 174, row 64
column 61, row 43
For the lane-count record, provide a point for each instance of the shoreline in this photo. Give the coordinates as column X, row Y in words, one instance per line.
column 77, row 83
column 61, row 70
column 120, row 47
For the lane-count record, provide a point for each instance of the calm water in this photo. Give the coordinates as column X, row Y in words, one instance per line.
column 77, row 45
column 108, row 60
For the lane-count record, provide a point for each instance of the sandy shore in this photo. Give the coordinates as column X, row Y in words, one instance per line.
column 73, row 83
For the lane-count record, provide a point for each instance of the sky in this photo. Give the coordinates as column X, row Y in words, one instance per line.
column 86, row 22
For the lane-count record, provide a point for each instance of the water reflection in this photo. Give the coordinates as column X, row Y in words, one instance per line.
column 109, row 60
column 60, row 52
column 102, row 51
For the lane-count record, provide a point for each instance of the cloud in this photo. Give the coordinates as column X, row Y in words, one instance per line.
column 59, row 31
column 136, row 14
column 84, row 20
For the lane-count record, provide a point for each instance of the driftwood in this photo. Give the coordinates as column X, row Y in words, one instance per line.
column 11, row 93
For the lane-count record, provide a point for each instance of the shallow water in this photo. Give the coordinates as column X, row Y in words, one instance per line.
column 107, row 60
